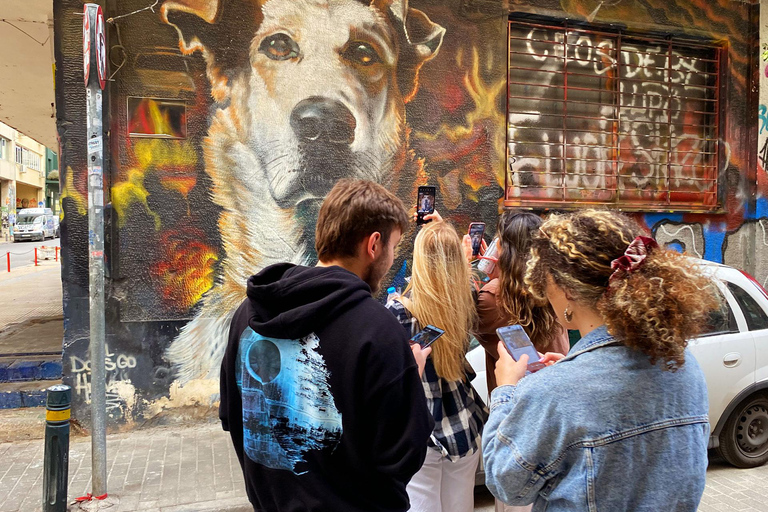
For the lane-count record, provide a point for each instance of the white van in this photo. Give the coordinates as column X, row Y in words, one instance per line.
column 34, row 224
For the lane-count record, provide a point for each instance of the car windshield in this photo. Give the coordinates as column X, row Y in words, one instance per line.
column 30, row 219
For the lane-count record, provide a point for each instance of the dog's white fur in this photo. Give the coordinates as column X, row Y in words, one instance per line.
column 253, row 155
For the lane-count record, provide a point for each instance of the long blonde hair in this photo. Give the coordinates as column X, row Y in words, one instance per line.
column 441, row 295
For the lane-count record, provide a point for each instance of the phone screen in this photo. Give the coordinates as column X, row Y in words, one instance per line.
column 476, row 232
column 427, row 336
column 425, row 203
column 517, row 342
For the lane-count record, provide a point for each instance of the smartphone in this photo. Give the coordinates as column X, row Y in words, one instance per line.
column 476, row 232
column 426, row 336
column 518, row 343
column 425, row 203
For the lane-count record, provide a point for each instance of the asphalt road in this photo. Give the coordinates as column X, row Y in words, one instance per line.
column 22, row 253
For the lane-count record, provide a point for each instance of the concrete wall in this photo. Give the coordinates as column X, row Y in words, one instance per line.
column 234, row 182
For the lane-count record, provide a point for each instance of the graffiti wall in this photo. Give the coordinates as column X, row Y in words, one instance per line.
column 229, row 121
column 661, row 144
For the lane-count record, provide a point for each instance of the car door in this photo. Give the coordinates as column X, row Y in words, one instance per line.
column 726, row 354
column 753, row 301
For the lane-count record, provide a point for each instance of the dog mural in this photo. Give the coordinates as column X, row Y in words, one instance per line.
column 305, row 92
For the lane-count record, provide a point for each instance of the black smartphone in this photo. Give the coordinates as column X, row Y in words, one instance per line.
column 426, row 336
column 517, row 342
column 425, row 203
column 476, row 232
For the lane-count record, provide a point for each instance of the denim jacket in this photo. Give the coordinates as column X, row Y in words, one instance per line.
column 601, row 430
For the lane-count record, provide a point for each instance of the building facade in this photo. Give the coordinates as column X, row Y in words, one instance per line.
column 22, row 173
column 228, row 121
column 52, row 181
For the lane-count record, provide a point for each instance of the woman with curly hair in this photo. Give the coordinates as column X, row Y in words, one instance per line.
column 505, row 300
column 439, row 294
column 620, row 423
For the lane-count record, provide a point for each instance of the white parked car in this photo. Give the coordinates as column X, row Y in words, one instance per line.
column 734, row 357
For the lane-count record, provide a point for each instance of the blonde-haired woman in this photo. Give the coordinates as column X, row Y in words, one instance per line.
column 439, row 294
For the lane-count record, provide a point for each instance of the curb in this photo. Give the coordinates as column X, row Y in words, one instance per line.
column 26, row 371
column 16, row 395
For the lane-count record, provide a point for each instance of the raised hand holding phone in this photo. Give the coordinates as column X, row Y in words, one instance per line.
column 476, row 232
column 425, row 203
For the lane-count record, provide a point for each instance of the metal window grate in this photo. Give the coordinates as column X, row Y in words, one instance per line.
column 602, row 118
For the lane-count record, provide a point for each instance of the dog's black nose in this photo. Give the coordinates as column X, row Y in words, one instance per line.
column 322, row 120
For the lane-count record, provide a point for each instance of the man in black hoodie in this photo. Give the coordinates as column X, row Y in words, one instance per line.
column 320, row 390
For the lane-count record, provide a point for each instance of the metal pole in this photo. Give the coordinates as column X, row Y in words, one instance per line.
column 93, row 17
column 56, row 458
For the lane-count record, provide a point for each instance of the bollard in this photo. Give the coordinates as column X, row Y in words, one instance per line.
column 35, row 256
column 56, row 461
column 57, row 254
column 9, row 261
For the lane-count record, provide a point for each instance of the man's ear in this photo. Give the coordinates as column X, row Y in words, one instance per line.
column 422, row 40
column 220, row 29
column 373, row 245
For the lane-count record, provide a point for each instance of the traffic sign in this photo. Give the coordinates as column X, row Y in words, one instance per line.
column 101, row 49
column 40, row 204
column 86, row 43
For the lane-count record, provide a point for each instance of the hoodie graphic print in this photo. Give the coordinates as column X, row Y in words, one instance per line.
column 285, row 399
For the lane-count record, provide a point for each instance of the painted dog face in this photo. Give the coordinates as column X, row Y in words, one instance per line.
column 307, row 91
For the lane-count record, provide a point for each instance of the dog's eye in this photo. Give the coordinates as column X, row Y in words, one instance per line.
column 279, row 47
column 361, row 53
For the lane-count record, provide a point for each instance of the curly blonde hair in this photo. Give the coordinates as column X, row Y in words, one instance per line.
column 655, row 309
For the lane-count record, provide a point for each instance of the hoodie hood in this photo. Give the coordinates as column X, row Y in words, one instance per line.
column 290, row 301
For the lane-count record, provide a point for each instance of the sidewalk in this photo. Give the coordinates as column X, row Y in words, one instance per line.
column 189, row 469
column 31, row 292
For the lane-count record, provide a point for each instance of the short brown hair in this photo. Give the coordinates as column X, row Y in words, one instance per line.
column 353, row 210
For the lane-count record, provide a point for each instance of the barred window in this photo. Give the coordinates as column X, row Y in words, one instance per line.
column 603, row 118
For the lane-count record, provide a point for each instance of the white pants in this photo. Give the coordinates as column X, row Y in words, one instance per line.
column 444, row 486
column 503, row 507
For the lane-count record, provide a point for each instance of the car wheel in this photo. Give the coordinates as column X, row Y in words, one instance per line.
column 744, row 439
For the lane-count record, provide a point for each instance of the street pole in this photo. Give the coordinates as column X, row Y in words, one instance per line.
column 94, row 62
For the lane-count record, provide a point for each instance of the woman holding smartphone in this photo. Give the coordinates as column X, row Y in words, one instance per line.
column 505, row 300
column 620, row 423
column 438, row 294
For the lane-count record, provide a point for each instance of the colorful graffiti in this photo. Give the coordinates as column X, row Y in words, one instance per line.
column 231, row 119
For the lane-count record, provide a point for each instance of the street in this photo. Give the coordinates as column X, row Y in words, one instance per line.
column 181, row 468
column 22, row 253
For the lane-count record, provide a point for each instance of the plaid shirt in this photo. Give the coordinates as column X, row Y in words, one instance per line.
column 458, row 411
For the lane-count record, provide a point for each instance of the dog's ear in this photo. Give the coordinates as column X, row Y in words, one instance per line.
column 220, row 29
column 424, row 35
column 423, row 38
column 193, row 20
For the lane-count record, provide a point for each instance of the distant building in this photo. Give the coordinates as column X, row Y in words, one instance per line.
column 52, row 180
column 23, row 166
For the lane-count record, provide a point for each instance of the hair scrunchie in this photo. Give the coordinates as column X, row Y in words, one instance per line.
column 634, row 256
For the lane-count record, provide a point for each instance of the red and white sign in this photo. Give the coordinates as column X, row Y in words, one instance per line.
column 86, row 44
column 101, row 48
